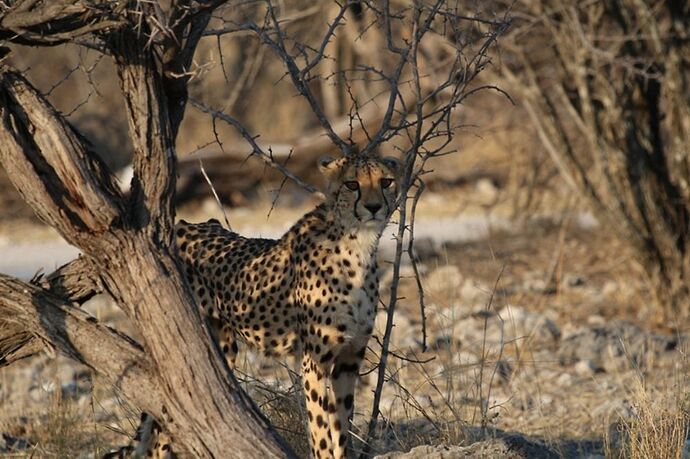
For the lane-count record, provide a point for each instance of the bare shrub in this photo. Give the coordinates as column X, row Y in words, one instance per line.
column 607, row 86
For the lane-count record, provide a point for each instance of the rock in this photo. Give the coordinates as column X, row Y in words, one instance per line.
column 614, row 346
column 444, row 341
column 609, row 288
column 10, row 444
column 574, row 280
column 510, row 446
column 534, row 285
column 493, row 330
column 487, row 193
column 585, row 368
column 535, row 281
column 596, row 319
column 564, row 380
column 520, row 323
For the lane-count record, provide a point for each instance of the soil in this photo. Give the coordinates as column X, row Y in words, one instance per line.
column 540, row 331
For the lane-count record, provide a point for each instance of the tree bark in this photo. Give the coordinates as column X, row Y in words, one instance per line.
column 177, row 373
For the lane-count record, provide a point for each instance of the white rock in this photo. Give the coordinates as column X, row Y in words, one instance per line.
column 585, row 368
column 564, row 380
column 609, row 288
column 596, row 319
column 545, row 400
column 520, row 324
column 487, row 191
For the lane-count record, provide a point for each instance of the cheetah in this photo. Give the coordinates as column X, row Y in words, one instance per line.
column 313, row 292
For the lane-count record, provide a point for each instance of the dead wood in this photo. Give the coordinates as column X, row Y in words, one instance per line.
column 176, row 374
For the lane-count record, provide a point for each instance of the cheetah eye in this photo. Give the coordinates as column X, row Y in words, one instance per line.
column 354, row 186
column 386, row 182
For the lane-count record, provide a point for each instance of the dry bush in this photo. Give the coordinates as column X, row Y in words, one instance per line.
column 658, row 428
column 609, row 99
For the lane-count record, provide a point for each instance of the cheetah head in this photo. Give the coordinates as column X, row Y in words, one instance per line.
column 363, row 191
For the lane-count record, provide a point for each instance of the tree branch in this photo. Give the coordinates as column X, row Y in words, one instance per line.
column 51, row 22
column 74, row 191
column 41, row 319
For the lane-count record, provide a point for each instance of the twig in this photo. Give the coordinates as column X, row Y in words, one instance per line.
column 296, row 74
column 213, row 190
column 251, row 140
column 413, row 259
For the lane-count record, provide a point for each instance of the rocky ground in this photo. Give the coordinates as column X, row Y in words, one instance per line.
column 540, row 342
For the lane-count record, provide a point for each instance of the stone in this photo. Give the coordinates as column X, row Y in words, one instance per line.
column 9, row 444
column 585, row 368
column 510, row 446
column 487, row 192
column 574, row 280
column 614, row 346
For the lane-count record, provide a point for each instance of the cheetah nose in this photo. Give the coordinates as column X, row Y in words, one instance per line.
column 373, row 208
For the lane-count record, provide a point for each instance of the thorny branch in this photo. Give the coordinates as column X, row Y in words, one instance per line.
column 273, row 35
column 431, row 118
column 257, row 150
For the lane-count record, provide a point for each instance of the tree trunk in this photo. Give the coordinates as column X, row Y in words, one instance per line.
column 177, row 373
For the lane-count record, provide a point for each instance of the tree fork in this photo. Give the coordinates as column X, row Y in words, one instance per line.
column 128, row 246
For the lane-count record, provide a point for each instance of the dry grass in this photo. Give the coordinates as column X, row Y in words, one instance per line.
column 659, row 426
column 60, row 431
column 478, row 384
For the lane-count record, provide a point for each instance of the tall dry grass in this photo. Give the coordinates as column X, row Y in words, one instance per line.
column 659, row 426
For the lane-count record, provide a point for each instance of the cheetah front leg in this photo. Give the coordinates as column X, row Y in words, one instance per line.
column 316, row 395
column 343, row 378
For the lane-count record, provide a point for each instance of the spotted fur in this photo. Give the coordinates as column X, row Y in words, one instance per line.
column 312, row 292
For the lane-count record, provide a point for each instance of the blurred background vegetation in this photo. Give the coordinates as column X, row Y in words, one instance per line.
column 601, row 95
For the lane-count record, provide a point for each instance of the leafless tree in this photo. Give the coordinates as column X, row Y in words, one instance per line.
column 176, row 373
column 607, row 86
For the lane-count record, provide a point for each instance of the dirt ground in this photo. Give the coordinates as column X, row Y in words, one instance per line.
column 541, row 327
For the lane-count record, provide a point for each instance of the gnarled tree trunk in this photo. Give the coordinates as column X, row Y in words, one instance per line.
column 176, row 374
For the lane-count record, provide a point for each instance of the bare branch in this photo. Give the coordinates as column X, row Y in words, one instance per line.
column 77, row 191
column 255, row 147
column 49, row 320
column 296, row 74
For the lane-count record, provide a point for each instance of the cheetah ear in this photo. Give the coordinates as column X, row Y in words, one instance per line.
column 393, row 163
column 329, row 166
